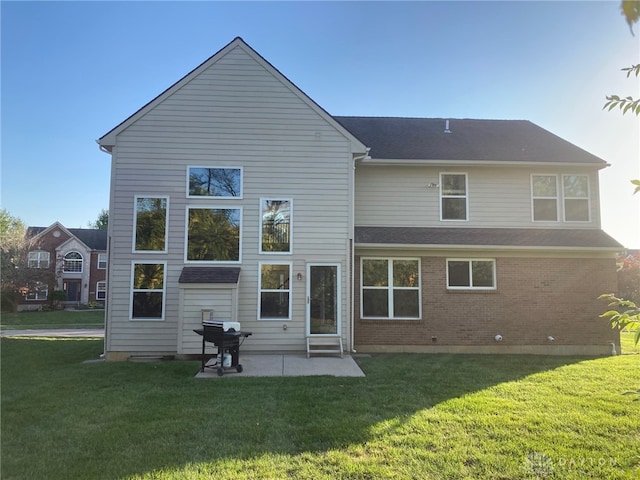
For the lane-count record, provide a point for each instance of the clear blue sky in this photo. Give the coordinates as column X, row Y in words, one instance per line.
column 73, row 70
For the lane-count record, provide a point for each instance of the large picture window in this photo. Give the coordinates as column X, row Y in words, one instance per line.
column 453, row 196
column 390, row 288
column 215, row 182
column 275, row 291
column 275, row 219
column 544, row 190
column 147, row 291
column 471, row 274
column 39, row 259
column 150, row 224
column 575, row 190
column 213, row 234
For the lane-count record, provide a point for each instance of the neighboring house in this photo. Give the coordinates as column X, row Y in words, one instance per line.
column 76, row 258
column 235, row 196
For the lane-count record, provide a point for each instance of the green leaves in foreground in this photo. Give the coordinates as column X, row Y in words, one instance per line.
column 625, row 103
column 626, row 314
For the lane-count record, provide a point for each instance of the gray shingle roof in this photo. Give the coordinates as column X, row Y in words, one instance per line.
column 91, row 237
column 486, row 237
column 209, row 275
column 395, row 138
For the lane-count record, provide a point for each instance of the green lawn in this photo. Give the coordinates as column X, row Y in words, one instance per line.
column 412, row 416
column 54, row 319
column 626, row 343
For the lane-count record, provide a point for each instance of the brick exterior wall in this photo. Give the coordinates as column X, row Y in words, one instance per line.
column 49, row 242
column 96, row 275
column 535, row 298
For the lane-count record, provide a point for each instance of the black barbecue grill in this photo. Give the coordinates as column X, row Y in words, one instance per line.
column 227, row 341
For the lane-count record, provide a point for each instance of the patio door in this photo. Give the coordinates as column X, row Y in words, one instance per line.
column 323, row 299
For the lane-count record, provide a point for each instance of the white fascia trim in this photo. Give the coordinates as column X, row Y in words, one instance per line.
column 482, row 163
column 422, row 246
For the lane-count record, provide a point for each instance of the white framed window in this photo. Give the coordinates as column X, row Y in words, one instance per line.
column 475, row 274
column 37, row 291
column 102, row 261
column 147, row 290
column 217, row 182
column 72, row 263
column 101, row 290
column 276, row 225
column 274, row 285
column 38, row 259
column 575, row 193
column 214, row 234
column 390, row 288
column 454, row 200
column 150, row 219
column 544, row 198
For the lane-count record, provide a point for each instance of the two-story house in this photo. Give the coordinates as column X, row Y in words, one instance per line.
column 234, row 195
column 73, row 260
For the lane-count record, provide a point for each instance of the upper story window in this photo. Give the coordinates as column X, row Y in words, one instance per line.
column 453, row 196
column 39, row 259
column 102, row 261
column 275, row 220
column 544, row 190
column 219, row 182
column 72, row 262
column 390, row 288
column 150, row 224
column 547, row 198
column 213, row 234
column 575, row 192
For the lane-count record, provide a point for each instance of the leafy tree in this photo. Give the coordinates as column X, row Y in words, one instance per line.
column 102, row 221
column 17, row 278
column 631, row 12
column 629, row 277
column 625, row 313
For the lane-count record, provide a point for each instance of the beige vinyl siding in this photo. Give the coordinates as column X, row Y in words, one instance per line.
column 221, row 298
column 236, row 113
column 497, row 197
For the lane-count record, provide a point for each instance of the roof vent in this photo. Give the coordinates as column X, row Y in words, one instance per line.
column 446, row 127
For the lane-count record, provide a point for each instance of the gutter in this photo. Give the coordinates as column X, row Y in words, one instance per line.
column 532, row 248
column 477, row 163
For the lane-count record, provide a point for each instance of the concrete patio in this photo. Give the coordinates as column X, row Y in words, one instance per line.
column 290, row 365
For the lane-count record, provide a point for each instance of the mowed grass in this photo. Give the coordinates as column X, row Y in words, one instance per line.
column 627, row 344
column 411, row 417
column 53, row 319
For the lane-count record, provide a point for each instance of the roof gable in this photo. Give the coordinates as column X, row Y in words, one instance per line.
column 92, row 238
column 108, row 140
column 465, row 140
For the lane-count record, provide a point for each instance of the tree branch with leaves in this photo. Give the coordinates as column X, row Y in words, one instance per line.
column 631, row 12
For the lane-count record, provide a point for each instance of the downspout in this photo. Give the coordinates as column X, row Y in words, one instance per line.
column 352, row 314
column 107, row 276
